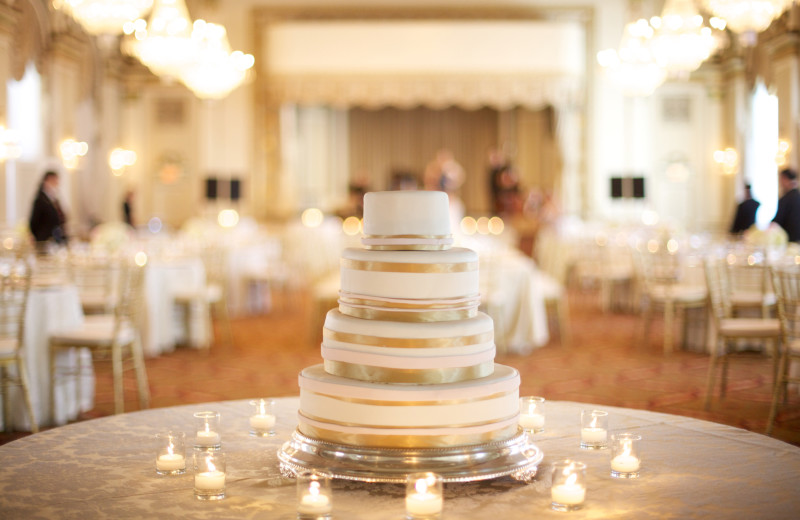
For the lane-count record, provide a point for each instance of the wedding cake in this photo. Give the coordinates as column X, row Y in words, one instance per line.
column 408, row 357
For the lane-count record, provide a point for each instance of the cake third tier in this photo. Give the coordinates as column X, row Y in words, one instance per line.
column 346, row 411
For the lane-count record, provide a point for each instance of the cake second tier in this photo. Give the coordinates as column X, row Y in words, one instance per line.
column 409, row 285
column 346, row 411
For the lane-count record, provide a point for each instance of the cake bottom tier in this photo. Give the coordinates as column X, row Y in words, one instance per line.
column 346, row 411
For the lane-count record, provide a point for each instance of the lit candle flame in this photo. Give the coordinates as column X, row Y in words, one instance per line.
column 211, row 466
column 593, row 424
column 421, row 486
column 170, row 449
column 313, row 488
column 571, row 479
column 626, row 448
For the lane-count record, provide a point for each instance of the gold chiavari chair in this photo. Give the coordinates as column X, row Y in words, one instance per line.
column 786, row 282
column 15, row 282
column 113, row 336
column 728, row 330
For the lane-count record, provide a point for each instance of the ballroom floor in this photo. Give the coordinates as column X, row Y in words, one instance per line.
column 604, row 364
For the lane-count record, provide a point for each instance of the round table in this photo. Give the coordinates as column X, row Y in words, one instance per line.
column 106, row 468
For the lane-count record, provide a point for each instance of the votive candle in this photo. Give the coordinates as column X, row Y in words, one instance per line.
column 625, row 457
column 314, row 496
column 262, row 422
column 568, row 491
column 170, row 458
column 594, row 429
column 531, row 413
column 424, row 499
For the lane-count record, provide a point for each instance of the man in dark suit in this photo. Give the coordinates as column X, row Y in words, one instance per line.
column 47, row 218
column 745, row 212
column 788, row 214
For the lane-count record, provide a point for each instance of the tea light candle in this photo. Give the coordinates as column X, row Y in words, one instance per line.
column 170, row 462
column 424, row 495
column 531, row 421
column 570, row 494
column 262, row 422
column 625, row 463
column 209, row 480
column 314, row 504
column 423, row 504
column 207, row 438
column 594, row 435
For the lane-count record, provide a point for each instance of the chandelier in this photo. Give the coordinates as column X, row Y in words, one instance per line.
column 215, row 71
column 681, row 42
column 100, row 17
column 633, row 67
column 164, row 44
column 747, row 16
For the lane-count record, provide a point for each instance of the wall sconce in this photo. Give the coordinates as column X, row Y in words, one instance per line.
column 782, row 156
column 728, row 159
column 119, row 159
column 71, row 151
column 9, row 144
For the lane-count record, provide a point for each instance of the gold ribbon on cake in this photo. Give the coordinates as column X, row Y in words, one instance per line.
column 378, row 341
column 430, row 402
column 408, row 316
column 407, row 375
column 406, row 242
column 423, row 305
column 405, row 441
column 403, row 267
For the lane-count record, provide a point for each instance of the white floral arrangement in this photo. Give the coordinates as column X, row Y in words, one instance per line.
column 111, row 237
column 773, row 236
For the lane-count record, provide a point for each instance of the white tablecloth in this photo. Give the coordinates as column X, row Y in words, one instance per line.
column 163, row 324
column 51, row 308
column 514, row 299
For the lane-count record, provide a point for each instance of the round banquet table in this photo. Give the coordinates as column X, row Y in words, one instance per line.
column 104, row 468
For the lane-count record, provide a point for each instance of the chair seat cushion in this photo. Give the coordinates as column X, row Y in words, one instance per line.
column 683, row 293
column 8, row 348
column 95, row 332
column 750, row 327
column 752, row 299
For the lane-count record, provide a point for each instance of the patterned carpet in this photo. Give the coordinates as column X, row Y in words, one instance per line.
column 605, row 364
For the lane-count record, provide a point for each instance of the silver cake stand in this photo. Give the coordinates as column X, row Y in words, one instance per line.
column 517, row 457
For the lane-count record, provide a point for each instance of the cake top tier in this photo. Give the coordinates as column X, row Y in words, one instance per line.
column 413, row 220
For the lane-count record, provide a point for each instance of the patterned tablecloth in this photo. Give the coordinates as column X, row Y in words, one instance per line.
column 105, row 469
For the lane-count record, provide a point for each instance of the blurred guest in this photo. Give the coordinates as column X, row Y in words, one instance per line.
column 497, row 163
column 443, row 173
column 47, row 221
column 745, row 212
column 788, row 214
column 127, row 208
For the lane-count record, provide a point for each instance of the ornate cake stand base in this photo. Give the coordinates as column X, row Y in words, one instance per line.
column 516, row 457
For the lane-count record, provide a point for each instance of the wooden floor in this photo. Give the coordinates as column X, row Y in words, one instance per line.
column 605, row 364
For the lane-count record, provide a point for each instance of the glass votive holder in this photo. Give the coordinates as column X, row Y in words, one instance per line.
column 594, row 430
column 207, row 426
column 569, row 485
column 424, row 496
column 209, row 475
column 625, row 455
column 314, row 496
column 531, row 413
column 262, row 422
column 171, row 453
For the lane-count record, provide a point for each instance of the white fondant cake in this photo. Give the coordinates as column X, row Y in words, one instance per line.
column 388, row 351
column 408, row 358
column 406, row 220
column 342, row 410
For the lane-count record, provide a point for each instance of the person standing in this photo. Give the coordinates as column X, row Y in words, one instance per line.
column 788, row 214
column 47, row 221
column 745, row 212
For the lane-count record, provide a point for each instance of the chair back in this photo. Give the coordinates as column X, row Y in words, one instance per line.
column 97, row 279
column 786, row 282
column 15, row 282
column 747, row 273
column 130, row 300
column 717, row 284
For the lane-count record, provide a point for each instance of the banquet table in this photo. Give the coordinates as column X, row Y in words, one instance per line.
column 51, row 307
column 163, row 326
column 106, row 468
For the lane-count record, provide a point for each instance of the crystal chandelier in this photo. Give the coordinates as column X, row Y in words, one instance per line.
column 747, row 16
column 164, row 44
column 104, row 16
column 633, row 67
column 216, row 71
column 681, row 42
